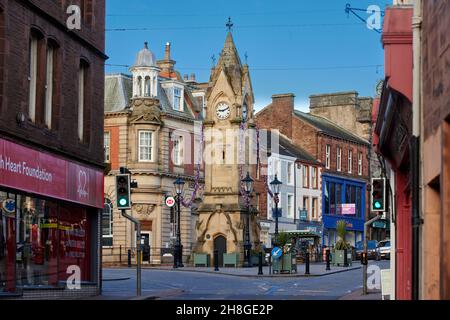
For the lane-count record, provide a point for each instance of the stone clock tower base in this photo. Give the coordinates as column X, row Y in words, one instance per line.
column 222, row 227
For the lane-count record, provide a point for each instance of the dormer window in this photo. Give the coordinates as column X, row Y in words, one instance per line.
column 177, row 99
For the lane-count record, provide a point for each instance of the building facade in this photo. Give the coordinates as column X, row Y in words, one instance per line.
column 153, row 128
column 393, row 134
column 300, row 194
column 51, row 169
column 343, row 155
column 434, row 86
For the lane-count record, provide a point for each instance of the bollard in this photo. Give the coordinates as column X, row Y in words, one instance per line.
column 345, row 258
column 307, row 263
column 260, row 270
column 328, row 260
column 216, row 260
column 129, row 258
column 270, row 263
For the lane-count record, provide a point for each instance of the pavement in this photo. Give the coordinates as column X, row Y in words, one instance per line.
column 358, row 295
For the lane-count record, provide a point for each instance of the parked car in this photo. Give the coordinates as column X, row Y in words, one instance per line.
column 384, row 249
column 371, row 249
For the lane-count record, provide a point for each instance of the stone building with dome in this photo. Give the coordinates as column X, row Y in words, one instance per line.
column 153, row 123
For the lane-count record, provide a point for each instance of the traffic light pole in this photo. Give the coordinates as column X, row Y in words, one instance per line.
column 366, row 238
column 138, row 250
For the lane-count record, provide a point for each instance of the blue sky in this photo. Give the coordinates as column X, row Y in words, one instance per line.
column 298, row 46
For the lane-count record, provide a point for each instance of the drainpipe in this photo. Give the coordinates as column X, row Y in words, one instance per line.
column 415, row 148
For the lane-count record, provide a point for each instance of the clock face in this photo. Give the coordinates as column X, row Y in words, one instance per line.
column 223, row 111
column 244, row 112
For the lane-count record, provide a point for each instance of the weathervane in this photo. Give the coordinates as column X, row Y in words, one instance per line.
column 229, row 24
column 213, row 59
column 245, row 56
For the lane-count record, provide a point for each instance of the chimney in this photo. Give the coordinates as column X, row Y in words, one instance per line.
column 185, row 78
column 167, row 52
column 192, row 77
column 283, row 102
column 166, row 65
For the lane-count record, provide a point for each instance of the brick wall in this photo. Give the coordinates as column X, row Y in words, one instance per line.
column 435, row 64
column 278, row 115
column 19, row 17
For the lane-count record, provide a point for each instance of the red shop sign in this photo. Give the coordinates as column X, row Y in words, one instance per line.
column 41, row 173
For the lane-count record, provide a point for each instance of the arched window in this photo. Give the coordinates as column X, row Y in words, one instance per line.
column 139, row 86
column 147, row 86
column 107, row 224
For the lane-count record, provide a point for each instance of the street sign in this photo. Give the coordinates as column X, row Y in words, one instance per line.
column 276, row 252
column 303, row 214
column 280, row 212
column 348, row 208
column 170, row 202
column 379, row 224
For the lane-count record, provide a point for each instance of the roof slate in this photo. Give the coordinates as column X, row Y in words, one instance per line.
column 329, row 127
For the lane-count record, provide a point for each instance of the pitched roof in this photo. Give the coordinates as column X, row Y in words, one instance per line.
column 119, row 90
column 329, row 128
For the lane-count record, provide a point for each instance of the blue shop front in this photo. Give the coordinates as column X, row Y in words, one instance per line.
column 338, row 195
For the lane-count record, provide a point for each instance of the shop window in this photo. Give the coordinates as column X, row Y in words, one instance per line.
column 332, row 198
column 7, row 242
column 338, row 198
column 107, row 224
column 74, row 240
column 37, row 242
column 326, row 198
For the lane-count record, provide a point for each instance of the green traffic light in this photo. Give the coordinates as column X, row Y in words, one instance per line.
column 123, row 202
column 377, row 205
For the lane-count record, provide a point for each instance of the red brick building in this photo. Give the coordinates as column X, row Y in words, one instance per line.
column 51, row 165
column 343, row 154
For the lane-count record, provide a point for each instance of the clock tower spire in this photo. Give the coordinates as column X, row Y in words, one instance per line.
column 229, row 109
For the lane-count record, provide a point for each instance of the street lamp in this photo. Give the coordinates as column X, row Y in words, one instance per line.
column 275, row 186
column 178, row 254
column 248, row 187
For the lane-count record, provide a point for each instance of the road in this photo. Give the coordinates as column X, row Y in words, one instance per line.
column 176, row 285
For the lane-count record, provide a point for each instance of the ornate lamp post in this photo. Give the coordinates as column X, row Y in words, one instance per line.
column 178, row 254
column 275, row 187
column 248, row 187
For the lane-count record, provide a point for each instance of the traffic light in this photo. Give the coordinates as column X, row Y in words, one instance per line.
column 123, row 191
column 378, row 195
column 364, row 258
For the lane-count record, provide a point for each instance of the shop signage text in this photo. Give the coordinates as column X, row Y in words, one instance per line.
column 40, row 173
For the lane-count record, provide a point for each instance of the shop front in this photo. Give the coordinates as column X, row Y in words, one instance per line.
column 343, row 199
column 49, row 223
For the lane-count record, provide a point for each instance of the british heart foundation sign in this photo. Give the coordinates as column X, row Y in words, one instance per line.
column 41, row 173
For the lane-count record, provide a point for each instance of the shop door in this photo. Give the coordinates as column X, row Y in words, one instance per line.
column 145, row 240
column 220, row 244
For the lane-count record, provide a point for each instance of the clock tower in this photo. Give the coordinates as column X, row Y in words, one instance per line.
column 229, row 110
